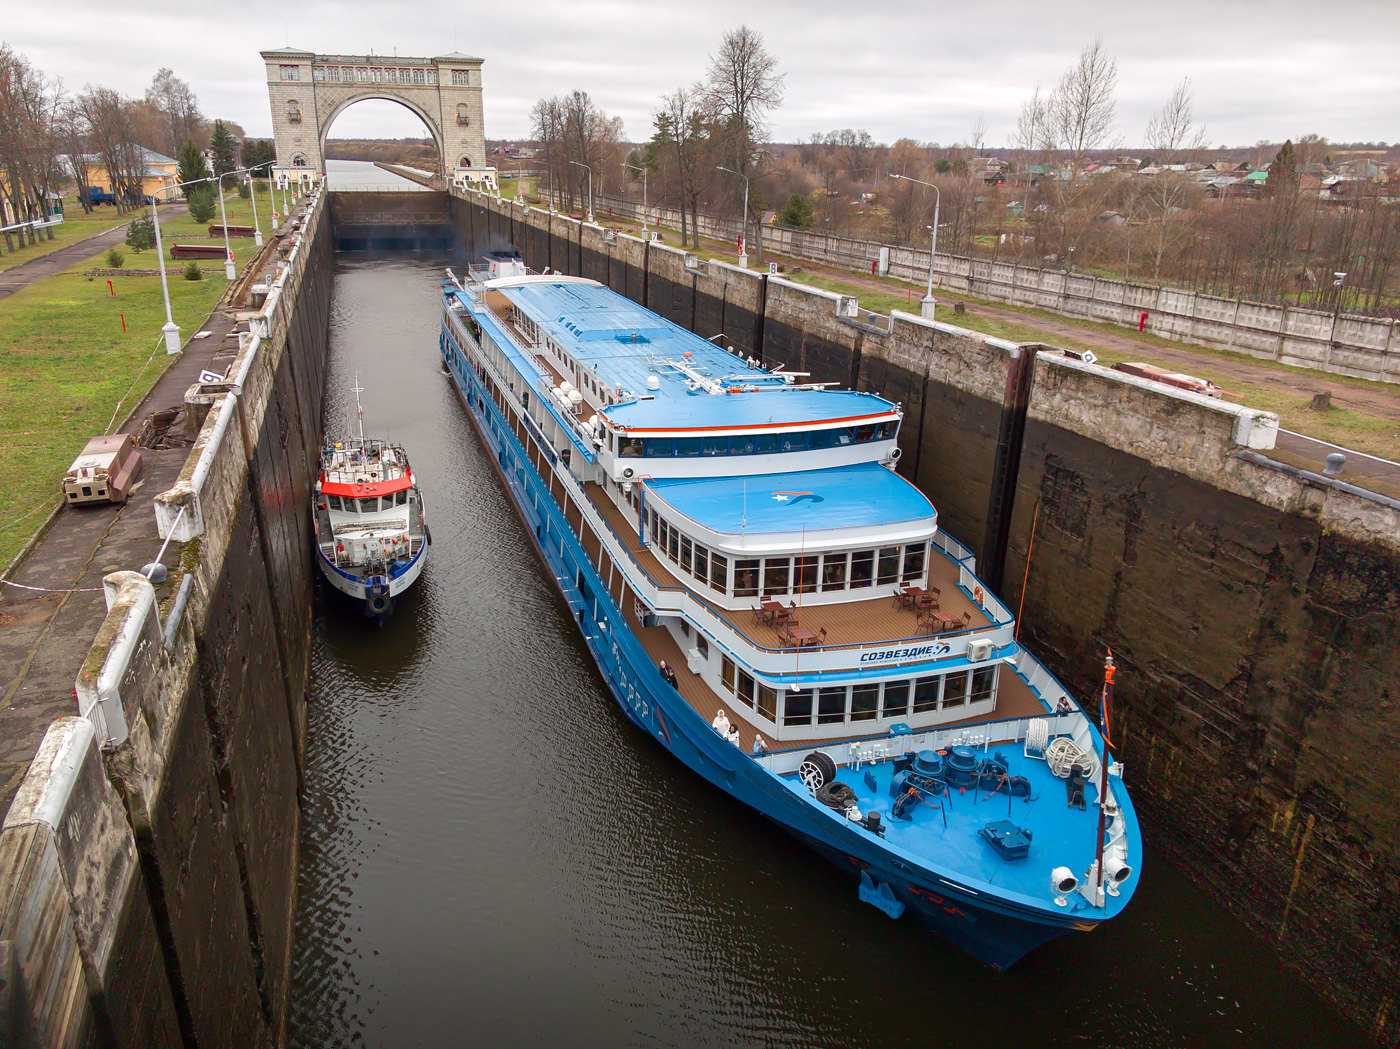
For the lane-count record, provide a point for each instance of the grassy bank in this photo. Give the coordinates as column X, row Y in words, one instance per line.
column 76, row 226
column 68, row 372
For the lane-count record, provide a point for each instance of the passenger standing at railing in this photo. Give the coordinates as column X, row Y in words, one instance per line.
column 721, row 724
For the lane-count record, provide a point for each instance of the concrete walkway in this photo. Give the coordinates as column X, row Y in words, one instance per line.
column 26, row 273
column 45, row 634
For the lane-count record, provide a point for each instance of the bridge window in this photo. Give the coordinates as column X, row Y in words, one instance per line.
column 463, row 115
column 291, row 72
column 376, row 76
column 294, row 111
column 466, row 162
column 335, row 74
column 318, row 73
column 419, row 77
column 347, row 74
column 432, row 76
column 462, row 76
column 362, row 76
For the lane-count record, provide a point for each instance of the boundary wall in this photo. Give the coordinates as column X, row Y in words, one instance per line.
column 148, row 864
column 1344, row 344
column 1253, row 609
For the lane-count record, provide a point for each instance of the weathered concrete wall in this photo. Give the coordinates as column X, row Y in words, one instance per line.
column 1252, row 611
column 384, row 221
column 175, row 851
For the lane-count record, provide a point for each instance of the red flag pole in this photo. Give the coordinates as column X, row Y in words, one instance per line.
column 1107, row 703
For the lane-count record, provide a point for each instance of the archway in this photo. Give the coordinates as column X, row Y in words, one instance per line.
column 380, row 130
column 308, row 91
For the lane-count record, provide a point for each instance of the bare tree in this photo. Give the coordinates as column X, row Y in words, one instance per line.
column 1081, row 114
column 682, row 133
column 71, row 135
column 29, row 106
column 111, row 135
column 1032, row 138
column 573, row 129
column 743, row 87
column 174, row 100
column 547, row 128
column 1172, row 138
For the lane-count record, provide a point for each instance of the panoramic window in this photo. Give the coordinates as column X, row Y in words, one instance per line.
column 744, row 693
column 686, row 447
column 955, row 689
column 913, row 562
column 863, row 701
column 629, row 447
column 333, row 502
column 746, row 578
column 862, row 568
column 741, row 444
column 804, row 579
column 719, row 572
column 794, row 442
column 768, row 702
column 658, row 447
column 715, row 446
column 925, row 694
column 726, row 673
column 765, row 443
column 797, row 707
column 888, row 569
column 983, row 683
column 702, row 563
column 816, row 439
column 775, row 575
column 833, row 572
column 831, row 705
column 896, row 699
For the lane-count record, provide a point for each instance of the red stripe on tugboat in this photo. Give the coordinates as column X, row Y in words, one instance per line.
column 394, row 484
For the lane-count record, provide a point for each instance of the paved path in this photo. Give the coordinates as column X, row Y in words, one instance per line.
column 26, row 273
column 45, row 636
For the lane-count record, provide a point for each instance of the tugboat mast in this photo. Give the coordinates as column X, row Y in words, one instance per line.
column 359, row 411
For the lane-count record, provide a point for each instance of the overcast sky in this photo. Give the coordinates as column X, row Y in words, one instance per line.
column 923, row 70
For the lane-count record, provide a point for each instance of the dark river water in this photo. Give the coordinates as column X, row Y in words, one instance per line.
column 494, row 856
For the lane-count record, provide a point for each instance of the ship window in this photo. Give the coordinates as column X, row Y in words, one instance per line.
column 794, row 442
column 865, row 433
column 741, row 444
column 984, row 681
column 655, row 526
column 702, row 646
column 889, row 429
column 863, row 702
column 833, row 572
column 402, row 498
column 768, row 702
column 805, row 575
column 744, row 693
column 745, row 578
column 896, row 699
column 726, row 673
column 687, row 447
column 715, row 446
column 841, row 437
column 775, row 575
column 629, row 447
column 955, row 689
column 673, row 544
column 831, row 705
column 369, row 505
column 815, row 439
column 765, row 443
column 333, row 502
column 685, row 628
column 797, row 707
column 719, row 572
column 686, row 554
column 658, row 447
column 862, row 568
column 925, row 694
column 913, row 562
column 888, row 569
column 702, row 563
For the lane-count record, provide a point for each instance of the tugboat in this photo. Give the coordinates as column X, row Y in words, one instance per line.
column 371, row 535
column 747, row 566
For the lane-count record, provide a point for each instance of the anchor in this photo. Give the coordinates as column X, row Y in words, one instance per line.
column 881, row 897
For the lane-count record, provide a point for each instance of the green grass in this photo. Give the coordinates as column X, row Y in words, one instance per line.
column 68, row 372
column 76, row 226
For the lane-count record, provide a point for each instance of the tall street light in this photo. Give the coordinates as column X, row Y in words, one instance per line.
column 926, row 306
column 644, row 192
column 588, row 169
column 744, row 234
column 253, row 199
column 170, row 328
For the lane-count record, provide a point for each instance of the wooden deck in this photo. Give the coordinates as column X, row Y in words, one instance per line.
column 1014, row 697
column 848, row 623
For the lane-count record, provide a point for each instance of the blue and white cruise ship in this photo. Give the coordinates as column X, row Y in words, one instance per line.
column 833, row 660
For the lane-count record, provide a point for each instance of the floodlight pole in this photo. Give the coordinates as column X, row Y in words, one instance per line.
column 644, row 192
column 585, row 167
column 927, row 305
column 253, row 199
column 744, row 229
column 170, row 328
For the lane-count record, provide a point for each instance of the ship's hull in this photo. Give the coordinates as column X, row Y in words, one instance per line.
column 377, row 595
column 996, row 931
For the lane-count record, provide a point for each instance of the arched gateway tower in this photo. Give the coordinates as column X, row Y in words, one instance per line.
column 308, row 91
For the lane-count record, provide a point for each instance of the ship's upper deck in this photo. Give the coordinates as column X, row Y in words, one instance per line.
column 661, row 378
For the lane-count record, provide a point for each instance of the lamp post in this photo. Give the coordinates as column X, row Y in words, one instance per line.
column 926, row 307
column 588, row 169
column 644, row 192
column 744, row 229
column 229, row 271
column 253, row 199
column 170, row 328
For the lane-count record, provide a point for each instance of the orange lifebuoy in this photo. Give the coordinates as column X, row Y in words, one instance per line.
column 977, row 594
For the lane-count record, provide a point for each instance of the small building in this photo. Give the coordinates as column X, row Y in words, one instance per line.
column 159, row 178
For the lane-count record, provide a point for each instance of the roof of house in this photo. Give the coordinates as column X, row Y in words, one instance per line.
column 457, row 56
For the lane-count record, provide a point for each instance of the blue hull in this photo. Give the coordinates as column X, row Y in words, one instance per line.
column 997, row 932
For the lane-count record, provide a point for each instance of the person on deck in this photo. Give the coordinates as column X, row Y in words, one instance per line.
column 733, row 735
column 759, row 746
column 1063, row 706
column 667, row 674
column 721, row 724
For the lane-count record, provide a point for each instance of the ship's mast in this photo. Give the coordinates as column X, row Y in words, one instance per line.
column 359, row 411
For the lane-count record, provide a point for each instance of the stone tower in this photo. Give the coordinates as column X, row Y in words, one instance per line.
column 308, row 91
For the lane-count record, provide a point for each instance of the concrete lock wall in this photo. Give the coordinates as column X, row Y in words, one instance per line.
column 147, row 890
column 1345, row 344
column 1251, row 608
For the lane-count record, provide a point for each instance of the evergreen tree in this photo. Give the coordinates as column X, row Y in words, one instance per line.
column 797, row 211
column 202, row 203
column 141, row 234
column 1283, row 172
column 192, row 165
column 225, row 151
